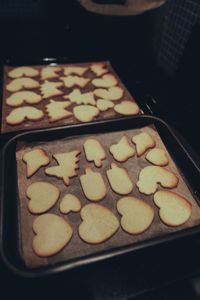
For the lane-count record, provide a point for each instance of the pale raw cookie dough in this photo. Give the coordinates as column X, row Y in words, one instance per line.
column 53, row 233
column 127, row 108
column 42, row 195
column 50, row 72
column 85, row 113
column 75, row 70
column 151, row 176
column 119, row 180
column 98, row 225
column 57, row 110
column 99, row 69
column 76, row 96
column 143, row 142
column 107, row 80
column 94, row 151
column 20, row 114
column 70, row 81
column 113, row 93
column 35, row 159
column 122, row 150
column 137, row 215
column 157, row 157
column 50, row 89
column 175, row 210
column 22, row 97
column 23, row 71
column 67, row 166
column 93, row 185
column 70, row 203
column 104, row 105
column 22, row 83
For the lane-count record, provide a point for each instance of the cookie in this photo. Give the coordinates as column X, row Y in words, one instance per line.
column 42, row 195
column 127, row 108
column 70, row 203
column 104, row 105
column 93, row 185
column 50, row 89
column 35, row 159
column 98, row 69
column 76, row 96
column 23, row 71
column 50, row 72
column 67, row 166
column 57, row 110
column 151, row 176
column 143, row 142
column 122, row 150
column 85, row 113
column 20, row 114
column 22, row 83
column 53, row 233
column 137, row 215
column 75, row 70
column 19, row 98
column 157, row 157
column 175, row 210
column 94, row 151
column 71, row 80
column 98, row 225
column 113, row 93
column 107, row 80
column 119, row 180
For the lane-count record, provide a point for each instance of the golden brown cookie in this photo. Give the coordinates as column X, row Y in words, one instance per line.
column 70, row 203
column 157, row 157
column 143, row 142
column 122, row 150
column 98, row 225
column 18, row 98
column 23, row 71
column 104, row 105
column 20, row 114
column 99, row 69
column 50, row 89
column 50, row 72
column 22, row 83
column 94, row 151
column 35, row 159
column 127, row 108
column 75, row 70
column 85, row 113
column 107, row 80
column 175, row 210
column 57, row 110
column 114, row 93
column 76, row 96
column 71, row 80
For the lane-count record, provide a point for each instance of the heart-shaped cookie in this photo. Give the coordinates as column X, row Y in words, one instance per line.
column 20, row 114
column 104, row 105
column 20, row 83
column 23, row 71
column 99, row 223
column 175, row 210
column 70, row 203
column 19, row 98
column 42, row 195
column 157, row 157
column 151, row 176
column 137, row 215
column 127, row 108
column 53, row 233
column 85, row 113
column 113, row 93
column 107, row 80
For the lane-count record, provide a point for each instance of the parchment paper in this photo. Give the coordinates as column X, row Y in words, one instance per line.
column 77, row 248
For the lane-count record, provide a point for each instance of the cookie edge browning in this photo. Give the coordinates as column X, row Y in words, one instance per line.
column 82, row 220
column 144, row 204
column 183, row 199
column 23, row 74
column 58, row 251
column 44, row 211
column 25, row 118
column 153, row 144
column 64, row 212
column 43, row 153
column 163, row 164
column 127, row 157
column 101, row 160
column 158, row 183
column 23, row 101
column 91, row 118
column 137, row 109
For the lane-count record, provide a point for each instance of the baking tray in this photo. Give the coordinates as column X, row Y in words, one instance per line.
column 9, row 205
column 8, row 131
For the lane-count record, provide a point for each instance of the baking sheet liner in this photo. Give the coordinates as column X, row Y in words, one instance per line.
column 78, row 248
column 44, row 123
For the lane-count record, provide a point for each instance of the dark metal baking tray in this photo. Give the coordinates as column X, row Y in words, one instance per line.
column 9, row 214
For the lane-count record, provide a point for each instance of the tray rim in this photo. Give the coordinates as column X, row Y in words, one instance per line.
column 73, row 263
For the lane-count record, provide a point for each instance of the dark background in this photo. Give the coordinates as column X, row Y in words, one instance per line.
column 31, row 30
